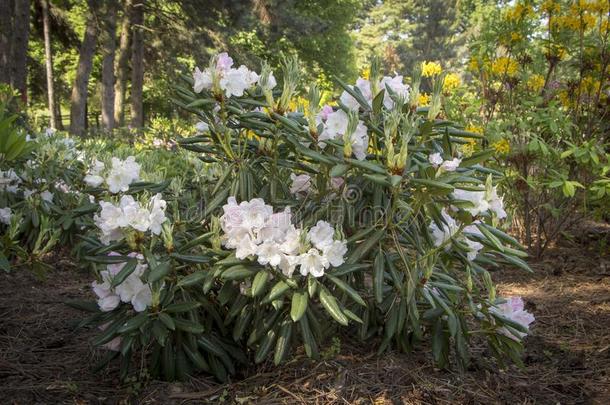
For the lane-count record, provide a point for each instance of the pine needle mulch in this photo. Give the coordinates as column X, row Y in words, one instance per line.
column 43, row 360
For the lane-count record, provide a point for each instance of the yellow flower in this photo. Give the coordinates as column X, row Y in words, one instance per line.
column 502, row 146
column 515, row 37
column 564, row 98
column 424, row 100
column 475, row 129
column 550, row 7
column 518, row 12
column 452, row 81
column 505, row 66
column 429, row 69
column 468, row 149
column 536, row 83
column 473, row 65
column 366, row 74
column 298, row 103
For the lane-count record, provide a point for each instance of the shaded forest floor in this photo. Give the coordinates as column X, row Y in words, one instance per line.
column 567, row 358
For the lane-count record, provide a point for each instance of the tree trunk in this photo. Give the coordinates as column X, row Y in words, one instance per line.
column 78, row 100
column 19, row 43
column 122, row 66
column 137, row 65
column 109, row 48
column 6, row 28
column 44, row 5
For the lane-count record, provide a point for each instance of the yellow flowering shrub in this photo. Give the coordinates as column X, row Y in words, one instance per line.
column 502, row 146
column 423, row 100
column 429, row 69
column 535, row 83
column 451, row 82
column 505, row 66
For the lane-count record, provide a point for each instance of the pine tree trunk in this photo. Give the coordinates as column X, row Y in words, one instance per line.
column 137, row 65
column 78, row 101
column 122, row 66
column 6, row 28
column 44, row 4
column 109, row 48
column 19, row 44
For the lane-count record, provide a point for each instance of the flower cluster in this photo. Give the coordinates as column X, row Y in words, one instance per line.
column 231, row 81
column 253, row 229
column 430, row 69
column 5, row 215
column 336, row 125
column 364, row 86
column 131, row 290
column 114, row 219
column 436, row 160
column 482, row 201
column 9, row 181
column 119, row 177
column 513, row 309
column 450, row 228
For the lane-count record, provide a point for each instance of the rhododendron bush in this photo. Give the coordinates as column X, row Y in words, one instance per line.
column 358, row 217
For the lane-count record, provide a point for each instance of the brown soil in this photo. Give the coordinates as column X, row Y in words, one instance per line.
column 43, row 360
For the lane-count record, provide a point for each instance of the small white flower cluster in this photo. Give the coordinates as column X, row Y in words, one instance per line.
column 9, row 181
column 233, row 82
column 120, row 176
column 253, row 229
column 513, row 309
column 394, row 83
column 335, row 125
column 482, row 202
column 131, row 290
column 436, row 160
column 449, row 230
column 5, row 215
column 114, row 219
column 301, row 184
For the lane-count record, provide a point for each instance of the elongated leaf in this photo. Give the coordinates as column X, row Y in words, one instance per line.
column 299, row 305
column 124, row 273
column 329, row 302
column 347, row 289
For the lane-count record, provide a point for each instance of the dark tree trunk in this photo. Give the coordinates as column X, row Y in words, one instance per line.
column 44, row 4
column 137, row 65
column 19, row 44
column 6, row 28
column 109, row 48
column 122, row 66
column 78, row 100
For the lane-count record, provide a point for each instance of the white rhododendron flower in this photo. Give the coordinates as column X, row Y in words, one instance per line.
column 202, row 127
column 450, row 229
column 253, row 229
column 233, row 82
column 113, row 220
column 132, row 290
column 122, row 174
column 270, row 83
column 336, row 126
column 47, row 196
column 301, row 184
column 397, row 86
column 9, row 181
column 365, row 88
column 5, row 215
column 436, row 160
column 313, row 263
column 513, row 309
column 481, row 203
column 321, row 234
column 93, row 177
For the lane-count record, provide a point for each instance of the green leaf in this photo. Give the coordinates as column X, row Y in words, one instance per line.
column 182, row 307
column 347, row 289
column 259, row 283
column 167, row 321
column 192, row 279
column 283, row 342
column 299, row 305
column 159, row 271
column 329, row 302
column 188, row 326
column 191, row 258
column 378, row 276
column 134, row 323
column 237, row 272
column 278, row 290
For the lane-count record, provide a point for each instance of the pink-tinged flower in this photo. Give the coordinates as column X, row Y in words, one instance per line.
column 326, row 110
column 513, row 309
column 224, row 62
